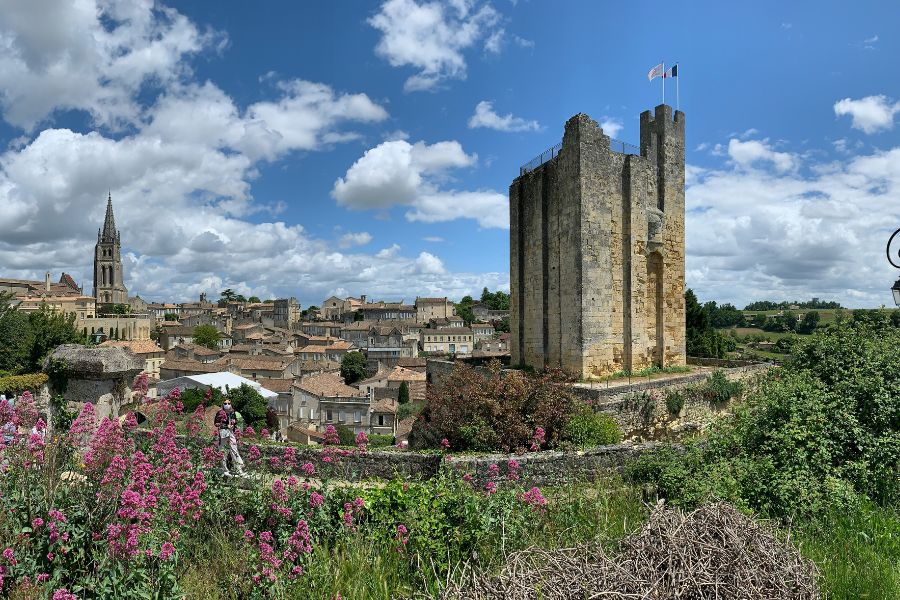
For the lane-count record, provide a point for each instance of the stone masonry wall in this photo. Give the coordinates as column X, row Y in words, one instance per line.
column 597, row 252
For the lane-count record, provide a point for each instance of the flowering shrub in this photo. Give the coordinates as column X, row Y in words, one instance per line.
column 108, row 506
column 474, row 410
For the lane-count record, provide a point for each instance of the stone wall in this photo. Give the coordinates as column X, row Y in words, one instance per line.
column 537, row 468
column 597, row 252
column 640, row 409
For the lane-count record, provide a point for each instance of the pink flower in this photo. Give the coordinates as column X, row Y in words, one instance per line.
column 308, row 469
column 239, row 519
column 493, row 470
column 512, row 470
column 467, row 478
column 534, row 498
column 249, row 431
column 445, row 444
column 361, row 441
column 248, row 535
column 316, row 500
column 64, row 594
column 167, row 550
column 37, row 522
column 42, row 577
column 331, row 436
column 490, row 487
column 10, row 556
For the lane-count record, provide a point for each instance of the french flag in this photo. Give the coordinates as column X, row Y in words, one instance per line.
column 673, row 72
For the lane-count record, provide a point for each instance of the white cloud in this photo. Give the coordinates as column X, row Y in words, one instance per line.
column 770, row 233
column 746, row 154
column 180, row 172
column 870, row 114
column 400, row 173
column 348, row 240
column 486, row 117
column 431, row 37
column 494, row 43
column 433, row 239
column 90, row 55
column 522, row 42
column 611, row 126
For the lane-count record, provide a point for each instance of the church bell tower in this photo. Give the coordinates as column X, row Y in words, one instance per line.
column 109, row 286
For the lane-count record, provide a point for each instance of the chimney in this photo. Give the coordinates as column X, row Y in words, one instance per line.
column 362, row 298
column 47, row 281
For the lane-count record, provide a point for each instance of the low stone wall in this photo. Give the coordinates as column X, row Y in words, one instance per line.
column 535, row 468
column 640, row 409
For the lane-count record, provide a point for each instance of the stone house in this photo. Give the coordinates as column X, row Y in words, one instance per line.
column 322, row 400
column 195, row 352
column 500, row 344
column 383, row 416
column 433, row 308
column 392, row 379
column 483, row 313
column 149, row 352
column 183, row 367
column 334, row 308
column 286, row 312
column 383, row 311
column 386, row 345
column 254, row 367
column 482, row 331
column 459, row 341
column 443, row 323
column 320, row 328
column 172, row 336
column 357, row 333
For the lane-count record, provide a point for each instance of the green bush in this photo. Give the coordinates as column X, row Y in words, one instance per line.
column 380, row 441
column 674, row 401
column 820, row 434
column 347, row 437
column 586, row 428
column 250, row 404
column 16, row 384
column 718, row 389
column 192, row 398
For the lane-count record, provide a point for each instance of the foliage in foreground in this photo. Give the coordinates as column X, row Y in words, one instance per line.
column 820, row 434
column 484, row 411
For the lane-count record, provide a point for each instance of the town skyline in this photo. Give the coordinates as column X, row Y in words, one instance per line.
column 239, row 164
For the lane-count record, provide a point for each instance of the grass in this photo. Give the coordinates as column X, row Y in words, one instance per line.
column 651, row 372
column 362, row 566
column 858, row 552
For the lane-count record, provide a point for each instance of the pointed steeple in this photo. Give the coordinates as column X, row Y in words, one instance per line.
column 109, row 225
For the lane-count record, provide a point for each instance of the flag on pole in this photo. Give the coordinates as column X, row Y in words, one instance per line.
column 673, row 72
column 657, row 71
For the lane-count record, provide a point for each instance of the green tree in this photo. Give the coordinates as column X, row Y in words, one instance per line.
column 206, row 335
column 121, row 309
column 809, row 323
column 353, row 367
column 403, row 393
column 702, row 339
column 464, row 309
column 254, row 299
column 49, row 329
column 498, row 300
column 170, row 317
column 227, row 295
column 16, row 335
column 502, row 326
column 250, row 404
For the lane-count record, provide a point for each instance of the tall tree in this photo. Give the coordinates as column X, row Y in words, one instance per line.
column 353, row 367
column 403, row 393
column 206, row 335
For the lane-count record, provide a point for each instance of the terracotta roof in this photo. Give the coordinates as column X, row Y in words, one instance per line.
column 386, row 329
column 312, row 350
column 184, row 331
column 320, row 365
column 328, row 385
column 190, row 366
column 170, row 324
column 198, row 349
column 405, row 426
column 136, row 346
column 280, row 386
column 309, row 432
column 338, row 345
column 380, row 375
column 266, row 363
column 66, row 279
column 247, row 326
column 402, row 374
column 431, row 300
column 410, row 362
column 359, row 326
column 387, row 405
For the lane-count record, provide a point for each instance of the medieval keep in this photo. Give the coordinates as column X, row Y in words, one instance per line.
column 109, row 285
column 597, row 250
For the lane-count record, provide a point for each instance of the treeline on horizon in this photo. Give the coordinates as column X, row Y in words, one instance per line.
column 815, row 303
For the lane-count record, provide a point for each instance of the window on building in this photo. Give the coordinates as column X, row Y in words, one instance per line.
column 329, row 416
column 358, row 417
column 381, row 420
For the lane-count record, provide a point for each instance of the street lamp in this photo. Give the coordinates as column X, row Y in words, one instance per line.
column 895, row 289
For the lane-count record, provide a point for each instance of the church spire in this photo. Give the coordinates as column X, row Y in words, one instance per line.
column 109, row 225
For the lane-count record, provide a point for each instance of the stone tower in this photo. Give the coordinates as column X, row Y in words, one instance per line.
column 109, row 286
column 597, row 250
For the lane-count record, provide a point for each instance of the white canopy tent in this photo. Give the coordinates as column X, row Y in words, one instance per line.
column 222, row 381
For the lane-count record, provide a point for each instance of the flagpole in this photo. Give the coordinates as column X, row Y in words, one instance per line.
column 664, row 80
column 677, row 98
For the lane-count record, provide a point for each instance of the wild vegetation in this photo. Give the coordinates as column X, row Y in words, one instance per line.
column 27, row 337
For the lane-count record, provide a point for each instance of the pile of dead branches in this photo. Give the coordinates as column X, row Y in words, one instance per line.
column 712, row 552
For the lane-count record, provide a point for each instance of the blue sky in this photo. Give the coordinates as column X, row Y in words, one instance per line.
column 305, row 149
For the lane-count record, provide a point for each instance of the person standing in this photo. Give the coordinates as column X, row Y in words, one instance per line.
column 226, row 422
